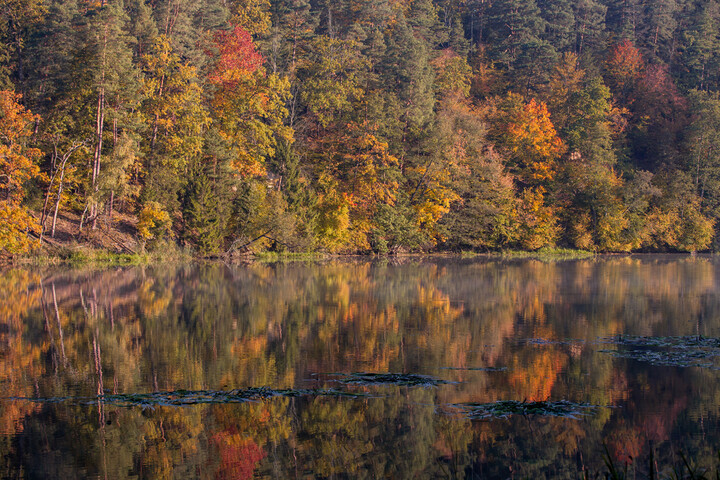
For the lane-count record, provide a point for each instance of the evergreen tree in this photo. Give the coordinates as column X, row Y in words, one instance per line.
column 699, row 47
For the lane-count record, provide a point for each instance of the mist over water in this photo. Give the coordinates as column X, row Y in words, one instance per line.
column 461, row 368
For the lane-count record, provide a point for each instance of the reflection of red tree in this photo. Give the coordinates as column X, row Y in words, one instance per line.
column 625, row 444
column 239, row 455
column 657, row 424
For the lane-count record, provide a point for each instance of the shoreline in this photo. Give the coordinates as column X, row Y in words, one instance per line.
column 85, row 256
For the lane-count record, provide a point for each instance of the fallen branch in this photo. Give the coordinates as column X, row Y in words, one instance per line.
column 246, row 244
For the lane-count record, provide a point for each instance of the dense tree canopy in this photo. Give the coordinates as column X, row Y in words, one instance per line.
column 364, row 126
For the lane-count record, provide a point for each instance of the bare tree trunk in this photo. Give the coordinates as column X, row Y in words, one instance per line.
column 110, row 209
column 43, row 215
column 112, row 192
column 57, row 202
column 61, row 169
column 82, row 218
column 98, row 150
column 99, row 125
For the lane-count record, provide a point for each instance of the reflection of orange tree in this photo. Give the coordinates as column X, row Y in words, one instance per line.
column 154, row 297
column 19, row 359
column 255, row 365
column 533, row 379
column 438, row 336
column 351, row 329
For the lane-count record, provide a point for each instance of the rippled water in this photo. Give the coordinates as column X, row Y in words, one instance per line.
column 435, row 368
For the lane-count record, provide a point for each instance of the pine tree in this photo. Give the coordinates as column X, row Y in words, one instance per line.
column 699, row 48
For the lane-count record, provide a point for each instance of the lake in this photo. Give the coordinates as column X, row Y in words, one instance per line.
column 404, row 368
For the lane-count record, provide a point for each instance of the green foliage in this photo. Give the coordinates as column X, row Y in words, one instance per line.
column 374, row 126
column 207, row 208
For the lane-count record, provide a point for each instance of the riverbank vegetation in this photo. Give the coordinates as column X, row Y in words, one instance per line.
column 377, row 126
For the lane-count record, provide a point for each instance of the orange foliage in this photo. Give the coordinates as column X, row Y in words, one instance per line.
column 624, row 63
column 526, row 133
column 16, row 162
column 17, row 166
column 366, row 158
column 533, row 133
column 535, row 382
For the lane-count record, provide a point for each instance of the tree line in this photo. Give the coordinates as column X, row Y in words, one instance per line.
column 367, row 126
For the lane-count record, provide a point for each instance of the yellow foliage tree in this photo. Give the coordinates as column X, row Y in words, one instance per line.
column 248, row 104
column 173, row 104
column 153, row 222
column 355, row 179
column 536, row 225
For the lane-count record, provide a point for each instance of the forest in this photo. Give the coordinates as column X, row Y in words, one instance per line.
column 362, row 126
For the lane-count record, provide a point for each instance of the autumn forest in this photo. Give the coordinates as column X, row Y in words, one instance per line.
column 362, row 126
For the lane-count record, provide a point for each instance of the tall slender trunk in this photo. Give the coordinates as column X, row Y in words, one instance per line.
column 99, row 125
column 112, row 192
column 57, row 202
column 57, row 169
column 98, row 151
column 43, row 214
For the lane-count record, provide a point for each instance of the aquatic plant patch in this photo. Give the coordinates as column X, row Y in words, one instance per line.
column 399, row 379
column 188, row 397
column 685, row 351
column 507, row 408
column 477, row 369
column 544, row 341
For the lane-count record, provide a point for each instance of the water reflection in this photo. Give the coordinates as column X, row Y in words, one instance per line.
column 496, row 330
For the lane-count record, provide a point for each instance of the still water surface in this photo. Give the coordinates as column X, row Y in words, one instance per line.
column 504, row 368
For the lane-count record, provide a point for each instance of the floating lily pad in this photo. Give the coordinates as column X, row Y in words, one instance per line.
column 506, row 408
column 401, row 379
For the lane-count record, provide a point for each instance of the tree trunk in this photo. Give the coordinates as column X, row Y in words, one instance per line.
column 110, row 210
column 57, row 201
column 98, row 150
column 99, row 125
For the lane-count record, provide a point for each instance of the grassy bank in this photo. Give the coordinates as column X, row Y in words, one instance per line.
column 549, row 254
column 79, row 254
column 82, row 255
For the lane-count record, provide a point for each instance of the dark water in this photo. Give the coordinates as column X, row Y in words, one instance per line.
column 503, row 368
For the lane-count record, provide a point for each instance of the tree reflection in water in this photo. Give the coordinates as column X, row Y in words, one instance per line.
column 490, row 330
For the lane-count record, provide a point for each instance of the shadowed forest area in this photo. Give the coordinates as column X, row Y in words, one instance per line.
column 360, row 126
